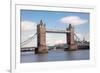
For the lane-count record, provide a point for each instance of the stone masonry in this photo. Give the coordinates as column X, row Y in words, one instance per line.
column 70, row 38
column 41, row 39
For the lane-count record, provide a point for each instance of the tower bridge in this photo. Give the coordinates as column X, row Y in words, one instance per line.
column 41, row 37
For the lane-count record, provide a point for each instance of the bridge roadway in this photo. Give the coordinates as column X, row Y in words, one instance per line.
column 56, row 31
column 23, row 49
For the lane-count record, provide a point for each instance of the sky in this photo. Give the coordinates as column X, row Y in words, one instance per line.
column 53, row 20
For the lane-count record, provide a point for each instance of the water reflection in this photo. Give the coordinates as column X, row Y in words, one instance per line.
column 54, row 55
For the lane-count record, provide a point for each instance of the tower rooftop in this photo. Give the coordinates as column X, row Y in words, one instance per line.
column 41, row 22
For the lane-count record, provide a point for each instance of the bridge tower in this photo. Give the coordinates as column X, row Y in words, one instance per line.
column 41, row 39
column 72, row 45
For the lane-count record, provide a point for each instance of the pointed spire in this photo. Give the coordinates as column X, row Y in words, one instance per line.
column 41, row 22
column 70, row 26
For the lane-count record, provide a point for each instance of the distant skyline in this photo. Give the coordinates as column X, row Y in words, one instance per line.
column 54, row 20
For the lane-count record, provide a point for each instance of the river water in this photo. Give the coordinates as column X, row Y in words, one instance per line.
column 55, row 55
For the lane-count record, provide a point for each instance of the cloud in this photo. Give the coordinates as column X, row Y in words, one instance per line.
column 27, row 26
column 74, row 20
column 53, row 39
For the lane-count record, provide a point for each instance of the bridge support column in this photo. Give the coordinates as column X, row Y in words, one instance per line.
column 41, row 39
column 72, row 45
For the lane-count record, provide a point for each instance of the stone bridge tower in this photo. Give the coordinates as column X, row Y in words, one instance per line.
column 41, row 39
column 72, row 45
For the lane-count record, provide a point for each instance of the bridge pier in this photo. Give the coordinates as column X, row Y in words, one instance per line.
column 41, row 39
column 72, row 45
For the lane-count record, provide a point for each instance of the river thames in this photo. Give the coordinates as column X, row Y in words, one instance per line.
column 55, row 55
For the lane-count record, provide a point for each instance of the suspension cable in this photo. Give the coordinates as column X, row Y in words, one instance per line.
column 77, row 38
column 28, row 40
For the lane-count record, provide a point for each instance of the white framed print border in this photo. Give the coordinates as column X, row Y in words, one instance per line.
column 17, row 67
